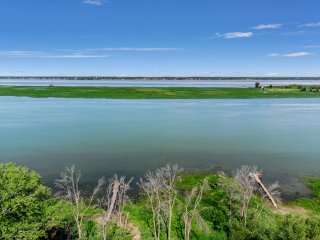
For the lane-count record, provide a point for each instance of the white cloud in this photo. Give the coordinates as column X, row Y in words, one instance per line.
column 311, row 24
column 39, row 54
column 94, row 2
column 77, row 56
column 235, row 35
column 273, row 55
column 268, row 26
column 136, row 49
column 296, row 54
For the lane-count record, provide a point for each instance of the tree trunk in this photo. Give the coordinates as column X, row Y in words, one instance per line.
column 113, row 199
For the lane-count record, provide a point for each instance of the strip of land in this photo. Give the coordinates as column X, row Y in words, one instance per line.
column 158, row 92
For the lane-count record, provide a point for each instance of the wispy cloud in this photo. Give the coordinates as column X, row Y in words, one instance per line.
column 235, row 35
column 94, row 2
column 268, row 26
column 78, row 54
column 311, row 24
column 59, row 54
column 136, row 49
column 289, row 55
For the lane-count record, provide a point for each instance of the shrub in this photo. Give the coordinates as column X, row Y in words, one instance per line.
column 117, row 233
column 293, row 227
column 60, row 222
column 23, row 200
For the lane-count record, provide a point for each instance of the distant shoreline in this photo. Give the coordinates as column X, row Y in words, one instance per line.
column 192, row 78
column 293, row 91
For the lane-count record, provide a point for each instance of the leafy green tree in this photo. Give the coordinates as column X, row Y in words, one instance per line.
column 22, row 203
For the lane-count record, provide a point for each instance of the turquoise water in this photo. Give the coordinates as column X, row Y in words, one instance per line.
column 103, row 137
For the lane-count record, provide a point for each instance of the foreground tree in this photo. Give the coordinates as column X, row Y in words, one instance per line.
column 159, row 187
column 22, row 203
column 152, row 187
column 113, row 201
column 191, row 209
column 232, row 190
column 169, row 175
column 248, row 186
column 70, row 191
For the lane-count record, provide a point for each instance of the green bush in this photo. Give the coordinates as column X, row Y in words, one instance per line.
column 90, row 230
column 23, row 200
column 313, row 227
column 117, row 233
column 60, row 221
column 293, row 228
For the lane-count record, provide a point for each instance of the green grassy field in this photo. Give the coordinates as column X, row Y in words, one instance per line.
column 154, row 92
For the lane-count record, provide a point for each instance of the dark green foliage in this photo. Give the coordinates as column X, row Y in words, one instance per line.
column 216, row 209
column 263, row 227
column 60, row 222
column 116, row 233
column 90, row 230
column 292, row 227
column 23, row 201
column 217, row 217
column 58, row 213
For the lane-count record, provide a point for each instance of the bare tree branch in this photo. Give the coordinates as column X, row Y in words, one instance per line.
column 69, row 190
column 191, row 208
column 159, row 187
column 113, row 202
column 248, row 184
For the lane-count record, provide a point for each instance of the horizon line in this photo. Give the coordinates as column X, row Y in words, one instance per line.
column 145, row 76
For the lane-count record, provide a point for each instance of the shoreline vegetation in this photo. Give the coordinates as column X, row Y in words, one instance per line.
column 172, row 204
column 292, row 91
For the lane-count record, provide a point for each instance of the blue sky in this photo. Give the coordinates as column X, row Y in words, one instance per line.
column 160, row 37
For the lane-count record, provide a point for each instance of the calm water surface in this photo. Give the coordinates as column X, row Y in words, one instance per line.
column 103, row 137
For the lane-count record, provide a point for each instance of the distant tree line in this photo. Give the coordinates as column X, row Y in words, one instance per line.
column 154, row 78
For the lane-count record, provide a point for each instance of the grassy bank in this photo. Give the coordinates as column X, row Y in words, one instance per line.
column 155, row 92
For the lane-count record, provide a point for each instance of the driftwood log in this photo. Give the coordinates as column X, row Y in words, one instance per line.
column 257, row 177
